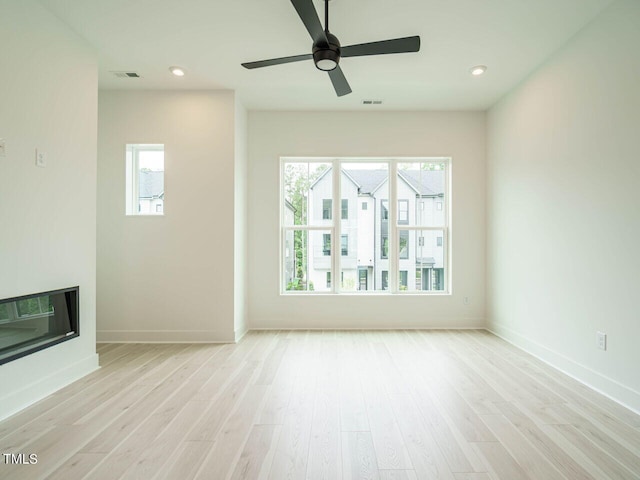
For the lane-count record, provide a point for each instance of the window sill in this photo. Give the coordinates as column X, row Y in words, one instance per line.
column 366, row 294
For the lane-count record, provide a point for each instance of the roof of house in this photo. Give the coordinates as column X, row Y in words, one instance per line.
column 424, row 182
column 151, row 184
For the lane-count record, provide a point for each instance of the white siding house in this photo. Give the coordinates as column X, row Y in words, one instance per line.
column 364, row 241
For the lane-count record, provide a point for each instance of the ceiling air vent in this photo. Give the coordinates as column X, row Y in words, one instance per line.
column 126, row 74
column 372, row 102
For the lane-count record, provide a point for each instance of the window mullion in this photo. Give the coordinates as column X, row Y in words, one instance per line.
column 135, row 204
column 445, row 251
column 336, row 244
column 393, row 227
column 447, row 221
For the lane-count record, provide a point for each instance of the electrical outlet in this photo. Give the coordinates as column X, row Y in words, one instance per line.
column 3, row 152
column 601, row 338
column 465, row 300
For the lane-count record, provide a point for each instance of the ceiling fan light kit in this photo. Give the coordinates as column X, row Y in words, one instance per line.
column 327, row 57
column 327, row 52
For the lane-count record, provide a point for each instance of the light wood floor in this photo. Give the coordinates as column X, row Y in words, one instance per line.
column 460, row 405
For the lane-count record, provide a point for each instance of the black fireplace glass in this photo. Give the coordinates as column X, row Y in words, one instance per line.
column 33, row 322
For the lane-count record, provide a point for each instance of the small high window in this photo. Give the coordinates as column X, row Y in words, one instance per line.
column 144, row 179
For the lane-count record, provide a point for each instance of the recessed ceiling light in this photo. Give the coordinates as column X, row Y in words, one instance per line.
column 177, row 71
column 478, row 70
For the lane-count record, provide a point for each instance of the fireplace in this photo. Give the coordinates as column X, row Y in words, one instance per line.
column 34, row 322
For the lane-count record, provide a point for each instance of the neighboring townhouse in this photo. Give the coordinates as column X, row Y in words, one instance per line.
column 364, row 237
column 151, row 192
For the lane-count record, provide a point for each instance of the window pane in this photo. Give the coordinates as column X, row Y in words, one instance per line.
column 319, row 260
column 403, row 212
column 300, row 180
column 384, row 229
column 426, row 259
column 363, row 185
column 404, row 275
column 307, row 260
column 422, row 184
column 145, row 179
column 404, row 244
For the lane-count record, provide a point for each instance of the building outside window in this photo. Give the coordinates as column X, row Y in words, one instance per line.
column 326, row 209
column 379, row 246
column 345, row 209
column 326, row 244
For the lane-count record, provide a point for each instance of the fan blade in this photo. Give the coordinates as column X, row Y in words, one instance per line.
column 339, row 81
column 277, row 61
column 309, row 17
column 397, row 45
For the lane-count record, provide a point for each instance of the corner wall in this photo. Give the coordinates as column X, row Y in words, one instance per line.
column 240, row 223
column 444, row 134
column 168, row 278
column 563, row 185
column 48, row 99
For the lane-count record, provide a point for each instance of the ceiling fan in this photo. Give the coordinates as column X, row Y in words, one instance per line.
column 327, row 51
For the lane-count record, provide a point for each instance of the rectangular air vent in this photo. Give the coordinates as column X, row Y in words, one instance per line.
column 372, row 102
column 126, row 74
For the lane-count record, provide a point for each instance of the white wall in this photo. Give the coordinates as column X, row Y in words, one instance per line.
column 48, row 100
column 240, row 222
column 458, row 135
column 170, row 277
column 564, row 207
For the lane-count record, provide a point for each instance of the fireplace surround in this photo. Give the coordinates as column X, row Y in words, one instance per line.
column 33, row 322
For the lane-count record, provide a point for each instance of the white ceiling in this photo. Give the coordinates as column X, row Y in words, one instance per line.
column 210, row 38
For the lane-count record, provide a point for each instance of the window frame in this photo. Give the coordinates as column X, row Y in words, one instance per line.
column 394, row 227
column 132, row 178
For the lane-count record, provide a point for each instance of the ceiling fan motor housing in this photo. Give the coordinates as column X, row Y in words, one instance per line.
column 326, row 57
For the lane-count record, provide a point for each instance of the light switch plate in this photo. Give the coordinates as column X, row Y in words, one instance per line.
column 41, row 159
column 3, row 152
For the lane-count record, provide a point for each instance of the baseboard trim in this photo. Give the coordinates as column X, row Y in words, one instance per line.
column 610, row 388
column 360, row 329
column 240, row 335
column 163, row 336
column 36, row 391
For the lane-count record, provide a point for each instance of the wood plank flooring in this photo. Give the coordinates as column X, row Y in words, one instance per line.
column 450, row 405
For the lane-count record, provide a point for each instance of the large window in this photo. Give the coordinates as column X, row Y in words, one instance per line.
column 398, row 245
column 144, row 179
